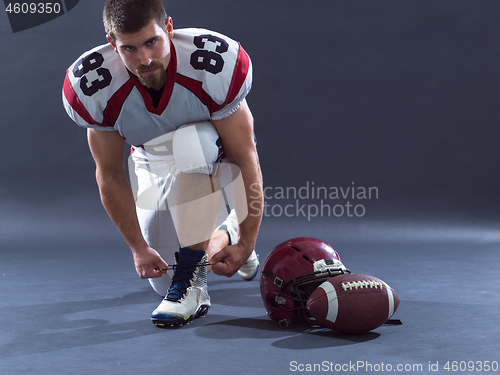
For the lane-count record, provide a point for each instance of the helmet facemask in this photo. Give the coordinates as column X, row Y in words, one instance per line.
column 294, row 293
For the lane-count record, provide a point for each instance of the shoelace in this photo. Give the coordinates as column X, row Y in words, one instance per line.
column 181, row 280
column 186, row 266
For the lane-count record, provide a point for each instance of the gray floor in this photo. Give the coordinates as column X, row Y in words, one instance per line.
column 70, row 302
column 402, row 95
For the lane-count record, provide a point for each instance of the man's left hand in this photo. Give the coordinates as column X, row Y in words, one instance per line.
column 229, row 260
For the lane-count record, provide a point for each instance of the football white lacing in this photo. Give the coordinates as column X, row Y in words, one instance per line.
column 362, row 284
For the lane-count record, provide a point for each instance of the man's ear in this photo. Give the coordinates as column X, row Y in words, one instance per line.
column 111, row 42
column 169, row 26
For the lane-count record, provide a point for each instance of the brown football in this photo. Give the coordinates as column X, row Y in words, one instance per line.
column 353, row 303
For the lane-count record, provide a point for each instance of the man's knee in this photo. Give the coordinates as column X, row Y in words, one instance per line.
column 197, row 148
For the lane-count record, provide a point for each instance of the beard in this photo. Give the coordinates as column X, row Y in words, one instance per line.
column 153, row 81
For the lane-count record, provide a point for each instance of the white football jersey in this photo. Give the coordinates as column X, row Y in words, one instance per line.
column 207, row 78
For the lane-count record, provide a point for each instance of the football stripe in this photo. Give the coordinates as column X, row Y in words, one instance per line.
column 333, row 303
column 391, row 300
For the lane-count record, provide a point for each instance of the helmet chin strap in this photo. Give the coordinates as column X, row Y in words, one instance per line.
column 302, row 314
column 287, row 322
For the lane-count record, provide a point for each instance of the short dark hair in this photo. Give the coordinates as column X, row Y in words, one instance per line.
column 129, row 16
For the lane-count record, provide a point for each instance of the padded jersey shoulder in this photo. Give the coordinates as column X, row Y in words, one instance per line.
column 91, row 82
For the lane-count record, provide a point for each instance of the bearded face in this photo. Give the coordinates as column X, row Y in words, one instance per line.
column 153, row 75
column 146, row 53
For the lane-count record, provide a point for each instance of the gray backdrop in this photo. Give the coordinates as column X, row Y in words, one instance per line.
column 397, row 95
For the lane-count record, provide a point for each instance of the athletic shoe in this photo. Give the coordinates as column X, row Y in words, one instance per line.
column 249, row 270
column 187, row 298
column 230, row 225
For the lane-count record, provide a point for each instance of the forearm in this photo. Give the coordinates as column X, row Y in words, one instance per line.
column 230, row 259
column 118, row 200
column 249, row 228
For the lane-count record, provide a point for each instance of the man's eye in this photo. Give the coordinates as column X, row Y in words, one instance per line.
column 152, row 42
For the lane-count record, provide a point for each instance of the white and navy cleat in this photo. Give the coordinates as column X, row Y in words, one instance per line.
column 186, row 299
column 249, row 270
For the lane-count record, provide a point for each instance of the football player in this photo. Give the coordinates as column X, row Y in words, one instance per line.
column 178, row 98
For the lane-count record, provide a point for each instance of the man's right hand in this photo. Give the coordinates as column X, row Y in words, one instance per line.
column 149, row 264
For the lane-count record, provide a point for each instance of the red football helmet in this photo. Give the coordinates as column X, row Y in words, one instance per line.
column 291, row 272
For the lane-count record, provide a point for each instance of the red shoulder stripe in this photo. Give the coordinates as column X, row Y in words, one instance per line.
column 196, row 88
column 75, row 102
column 239, row 75
column 115, row 104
